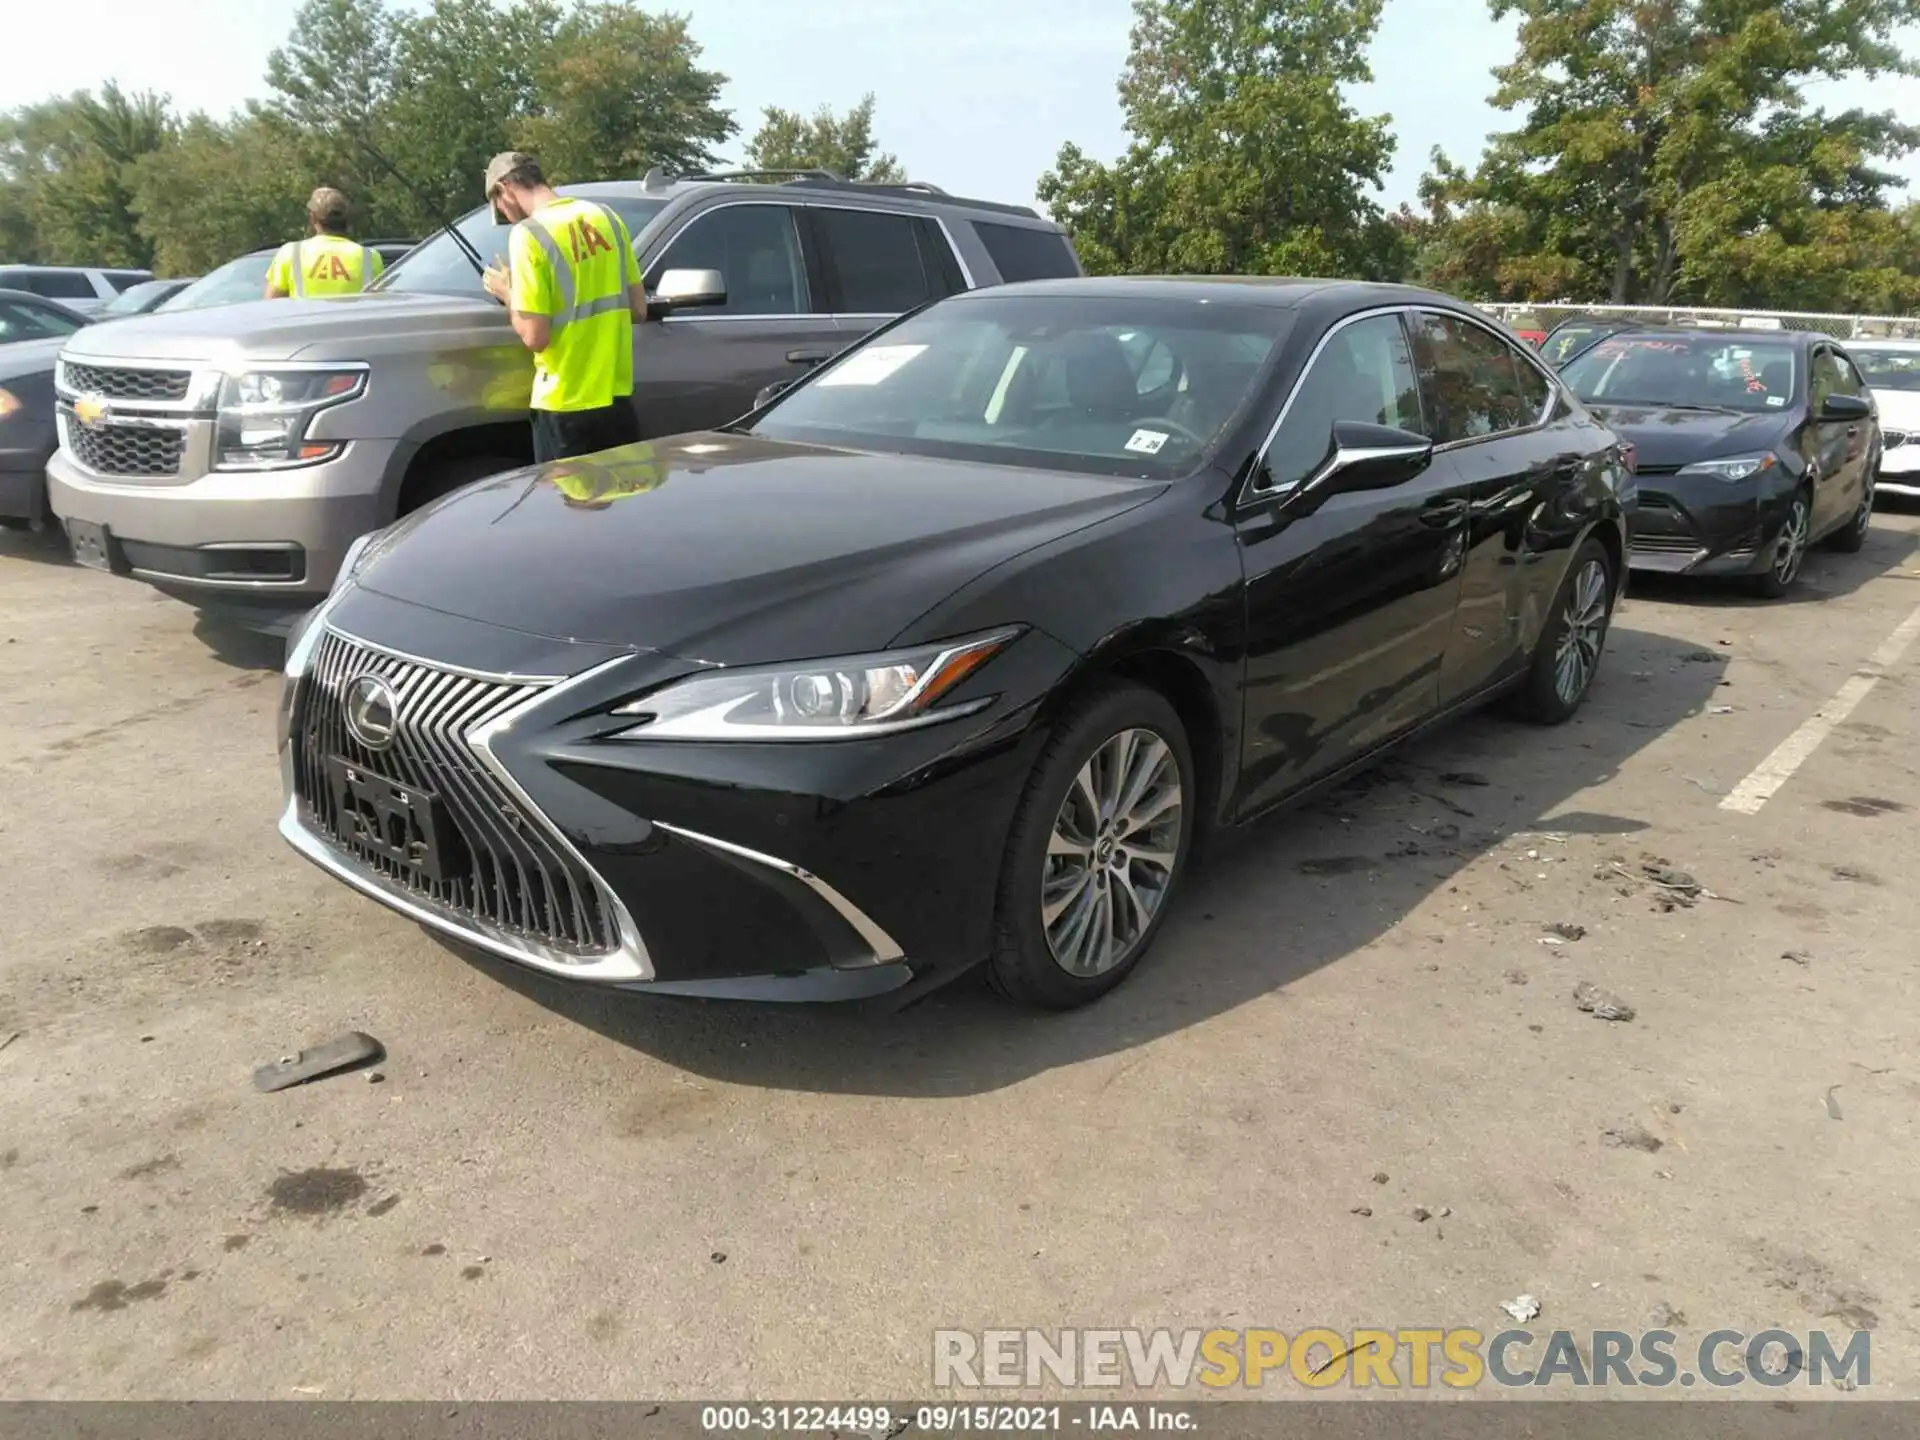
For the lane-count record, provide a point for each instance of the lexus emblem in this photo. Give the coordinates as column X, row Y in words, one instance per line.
column 373, row 711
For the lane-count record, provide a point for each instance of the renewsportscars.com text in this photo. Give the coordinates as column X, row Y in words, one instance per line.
column 1458, row 1359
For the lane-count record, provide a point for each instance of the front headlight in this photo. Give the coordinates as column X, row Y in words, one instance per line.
column 264, row 415
column 9, row 403
column 1739, row 467
column 846, row 699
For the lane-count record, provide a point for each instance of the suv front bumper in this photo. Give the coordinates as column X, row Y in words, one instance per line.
column 269, row 540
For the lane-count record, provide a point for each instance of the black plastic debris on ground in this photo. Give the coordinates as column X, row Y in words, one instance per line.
column 345, row 1052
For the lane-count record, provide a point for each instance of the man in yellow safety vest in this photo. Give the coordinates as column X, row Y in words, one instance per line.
column 573, row 291
column 326, row 262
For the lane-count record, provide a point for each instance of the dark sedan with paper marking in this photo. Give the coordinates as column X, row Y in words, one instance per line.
column 954, row 652
column 1749, row 448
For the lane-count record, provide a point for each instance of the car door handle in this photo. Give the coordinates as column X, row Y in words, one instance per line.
column 808, row 357
column 1442, row 513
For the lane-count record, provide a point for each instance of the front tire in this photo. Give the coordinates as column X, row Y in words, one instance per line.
column 1568, row 654
column 1097, row 849
column 1789, row 550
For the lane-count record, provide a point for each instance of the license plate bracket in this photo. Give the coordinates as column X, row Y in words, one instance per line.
column 92, row 545
column 405, row 826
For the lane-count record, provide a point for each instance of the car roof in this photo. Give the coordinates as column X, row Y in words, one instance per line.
column 660, row 185
column 1274, row 292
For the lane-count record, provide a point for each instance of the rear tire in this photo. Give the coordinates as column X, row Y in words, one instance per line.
column 1853, row 536
column 1097, row 849
column 1567, row 657
column 1789, row 551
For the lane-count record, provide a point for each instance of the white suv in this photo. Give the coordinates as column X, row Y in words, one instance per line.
column 83, row 288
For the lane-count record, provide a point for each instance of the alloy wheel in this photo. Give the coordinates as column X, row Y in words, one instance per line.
column 1584, row 632
column 1791, row 548
column 1111, row 854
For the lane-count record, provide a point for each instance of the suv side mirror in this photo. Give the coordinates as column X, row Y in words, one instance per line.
column 770, row 393
column 1847, row 407
column 686, row 290
column 1370, row 457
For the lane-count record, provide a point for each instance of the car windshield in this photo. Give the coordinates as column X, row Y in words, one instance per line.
column 439, row 268
column 133, row 300
column 1109, row 385
column 237, row 280
column 1686, row 372
column 1887, row 369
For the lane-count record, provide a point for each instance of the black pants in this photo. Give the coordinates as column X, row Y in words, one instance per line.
column 562, row 434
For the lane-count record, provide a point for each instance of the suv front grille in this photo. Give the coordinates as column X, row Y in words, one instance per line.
column 509, row 875
column 110, row 449
column 122, row 384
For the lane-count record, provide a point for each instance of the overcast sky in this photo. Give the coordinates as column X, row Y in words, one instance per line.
column 973, row 95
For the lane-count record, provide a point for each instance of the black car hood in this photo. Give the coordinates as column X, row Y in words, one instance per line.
column 730, row 549
column 1665, row 439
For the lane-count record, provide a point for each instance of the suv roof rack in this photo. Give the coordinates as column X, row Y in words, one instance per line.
column 660, row 178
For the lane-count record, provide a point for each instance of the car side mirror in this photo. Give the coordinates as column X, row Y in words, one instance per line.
column 1370, row 457
column 686, row 290
column 1846, row 407
column 773, row 392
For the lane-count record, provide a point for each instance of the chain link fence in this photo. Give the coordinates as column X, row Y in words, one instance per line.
column 1543, row 318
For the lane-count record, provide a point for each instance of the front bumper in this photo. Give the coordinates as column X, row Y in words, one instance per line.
column 1700, row 525
column 792, row 871
column 1899, row 472
column 270, row 540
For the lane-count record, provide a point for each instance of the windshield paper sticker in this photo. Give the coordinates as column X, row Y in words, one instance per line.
column 1147, row 442
column 871, row 365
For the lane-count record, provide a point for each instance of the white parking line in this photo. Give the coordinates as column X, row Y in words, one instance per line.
column 1774, row 771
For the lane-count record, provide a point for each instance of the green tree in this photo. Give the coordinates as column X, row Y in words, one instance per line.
column 621, row 91
column 788, row 140
column 1666, row 149
column 1245, row 156
column 67, row 168
column 333, row 85
column 221, row 189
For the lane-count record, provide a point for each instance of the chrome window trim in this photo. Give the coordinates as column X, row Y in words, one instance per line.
column 629, row 963
column 1555, row 392
column 1256, row 491
column 886, row 951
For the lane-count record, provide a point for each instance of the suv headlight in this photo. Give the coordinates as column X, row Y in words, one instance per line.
column 846, row 699
column 1735, row 469
column 264, row 415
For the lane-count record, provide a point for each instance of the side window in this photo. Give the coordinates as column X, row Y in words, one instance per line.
column 1364, row 373
column 1821, row 378
column 936, row 254
column 873, row 261
column 1534, row 390
column 756, row 250
column 1846, row 379
column 58, row 284
column 123, row 279
column 1021, row 253
column 1471, row 379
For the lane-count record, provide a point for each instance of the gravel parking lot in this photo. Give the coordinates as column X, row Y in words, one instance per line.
column 556, row 1193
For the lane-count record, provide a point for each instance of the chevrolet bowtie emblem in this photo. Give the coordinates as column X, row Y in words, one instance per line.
column 90, row 409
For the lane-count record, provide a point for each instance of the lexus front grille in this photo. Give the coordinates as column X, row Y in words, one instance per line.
column 507, row 872
column 109, row 449
column 115, row 383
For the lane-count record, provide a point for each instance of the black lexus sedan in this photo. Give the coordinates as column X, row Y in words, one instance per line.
column 952, row 653
column 1749, row 447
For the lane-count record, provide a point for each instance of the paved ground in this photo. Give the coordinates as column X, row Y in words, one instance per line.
column 554, row 1194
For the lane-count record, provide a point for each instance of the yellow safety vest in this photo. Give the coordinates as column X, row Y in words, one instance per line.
column 324, row 265
column 572, row 262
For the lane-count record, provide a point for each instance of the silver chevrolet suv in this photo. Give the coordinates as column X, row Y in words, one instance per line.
column 230, row 456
